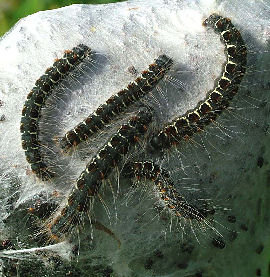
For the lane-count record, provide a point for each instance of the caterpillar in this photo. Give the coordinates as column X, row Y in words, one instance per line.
column 36, row 99
column 96, row 172
column 170, row 199
column 117, row 103
column 218, row 99
column 165, row 188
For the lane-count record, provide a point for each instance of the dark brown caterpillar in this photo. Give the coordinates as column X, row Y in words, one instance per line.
column 219, row 98
column 35, row 101
column 118, row 103
column 97, row 170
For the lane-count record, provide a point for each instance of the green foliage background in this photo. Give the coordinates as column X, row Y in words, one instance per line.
column 12, row 10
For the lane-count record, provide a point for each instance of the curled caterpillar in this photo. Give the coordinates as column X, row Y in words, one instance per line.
column 219, row 98
column 117, row 103
column 97, row 170
column 35, row 101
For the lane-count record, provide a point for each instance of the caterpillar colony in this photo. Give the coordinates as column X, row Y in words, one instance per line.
column 111, row 155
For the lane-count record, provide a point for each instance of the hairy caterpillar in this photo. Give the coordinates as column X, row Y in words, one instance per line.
column 164, row 187
column 97, row 170
column 170, row 199
column 218, row 99
column 118, row 103
column 35, row 101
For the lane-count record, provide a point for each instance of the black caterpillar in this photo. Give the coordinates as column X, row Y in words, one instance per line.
column 97, row 170
column 175, row 203
column 35, row 101
column 218, row 99
column 118, row 103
